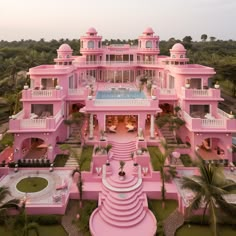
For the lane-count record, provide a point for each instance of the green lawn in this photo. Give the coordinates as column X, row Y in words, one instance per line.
column 161, row 214
column 154, row 153
column 32, row 184
column 57, row 230
column 86, row 157
column 60, row 160
column 196, row 230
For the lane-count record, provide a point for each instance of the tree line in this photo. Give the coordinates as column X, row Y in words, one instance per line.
column 21, row 55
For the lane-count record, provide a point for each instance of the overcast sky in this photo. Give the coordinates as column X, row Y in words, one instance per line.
column 124, row 19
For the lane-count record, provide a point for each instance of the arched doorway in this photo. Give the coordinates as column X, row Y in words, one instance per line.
column 34, row 148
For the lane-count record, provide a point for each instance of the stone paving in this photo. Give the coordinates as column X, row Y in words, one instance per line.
column 55, row 179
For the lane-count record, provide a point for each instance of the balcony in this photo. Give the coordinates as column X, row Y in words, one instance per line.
column 167, row 94
column 115, row 63
column 201, row 94
column 80, row 93
column 119, row 104
column 33, row 94
column 220, row 121
column 19, row 123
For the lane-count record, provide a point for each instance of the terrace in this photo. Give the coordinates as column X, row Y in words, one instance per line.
column 220, row 120
column 46, row 122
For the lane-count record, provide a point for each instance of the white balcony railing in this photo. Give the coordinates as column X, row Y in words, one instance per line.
column 223, row 114
column 42, row 93
column 76, row 92
column 121, row 102
column 166, row 91
column 213, row 123
column 33, row 123
column 200, row 92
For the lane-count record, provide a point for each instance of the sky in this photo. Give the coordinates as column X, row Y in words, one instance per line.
column 123, row 19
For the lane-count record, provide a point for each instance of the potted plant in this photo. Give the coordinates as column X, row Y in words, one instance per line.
column 231, row 115
column 217, row 85
column 26, row 86
column 121, row 172
column 187, row 85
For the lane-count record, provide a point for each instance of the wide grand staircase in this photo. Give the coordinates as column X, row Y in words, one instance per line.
column 122, row 151
column 122, row 208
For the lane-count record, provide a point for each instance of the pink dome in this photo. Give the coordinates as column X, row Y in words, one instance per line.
column 178, row 47
column 65, row 48
column 91, row 31
column 148, row 30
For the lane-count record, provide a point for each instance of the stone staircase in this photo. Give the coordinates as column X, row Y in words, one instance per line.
column 122, row 151
column 122, row 209
column 168, row 135
column 72, row 162
column 173, row 222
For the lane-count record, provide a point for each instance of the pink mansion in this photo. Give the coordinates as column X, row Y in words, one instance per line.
column 105, row 83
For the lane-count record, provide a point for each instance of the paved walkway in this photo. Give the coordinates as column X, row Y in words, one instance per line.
column 69, row 217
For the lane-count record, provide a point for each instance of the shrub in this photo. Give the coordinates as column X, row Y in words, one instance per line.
column 186, row 160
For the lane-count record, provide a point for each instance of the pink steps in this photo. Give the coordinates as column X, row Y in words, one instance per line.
column 122, row 151
column 123, row 207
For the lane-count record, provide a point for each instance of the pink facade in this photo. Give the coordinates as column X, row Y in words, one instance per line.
column 55, row 89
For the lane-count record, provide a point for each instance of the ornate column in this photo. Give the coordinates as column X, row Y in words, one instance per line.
column 91, row 126
column 152, row 130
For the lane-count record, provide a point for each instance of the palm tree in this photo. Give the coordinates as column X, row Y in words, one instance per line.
column 78, row 169
column 211, row 186
column 166, row 171
column 6, row 205
column 23, row 226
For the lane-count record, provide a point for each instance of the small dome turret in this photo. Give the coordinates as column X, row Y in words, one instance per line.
column 177, row 52
column 92, row 31
column 148, row 31
column 178, row 47
column 64, row 48
column 64, row 55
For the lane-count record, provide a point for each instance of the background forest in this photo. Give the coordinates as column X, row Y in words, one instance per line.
column 17, row 57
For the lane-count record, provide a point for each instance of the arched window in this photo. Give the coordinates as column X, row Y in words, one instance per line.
column 90, row 44
column 173, row 56
column 181, row 56
column 140, row 44
column 81, row 44
column 149, row 44
column 99, row 44
column 157, row 44
column 67, row 56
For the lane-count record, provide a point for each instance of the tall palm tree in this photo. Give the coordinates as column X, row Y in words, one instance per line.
column 5, row 205
column 78, row 169
column 211, row 186
column 166, row 172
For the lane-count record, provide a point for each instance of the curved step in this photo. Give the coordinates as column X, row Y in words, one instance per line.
column 99, row 227
column 116, row 182
column 123, row 224
column 123, row 211
column 122, row 218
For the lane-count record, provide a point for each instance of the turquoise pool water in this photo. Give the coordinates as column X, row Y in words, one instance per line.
column 120, row 94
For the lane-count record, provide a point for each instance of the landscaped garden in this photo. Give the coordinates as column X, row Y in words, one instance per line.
column 86, row 158
column 32, row 184
column 60, row 160
column 154, row 152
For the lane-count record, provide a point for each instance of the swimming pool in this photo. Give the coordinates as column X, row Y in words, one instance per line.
column 120, row 94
